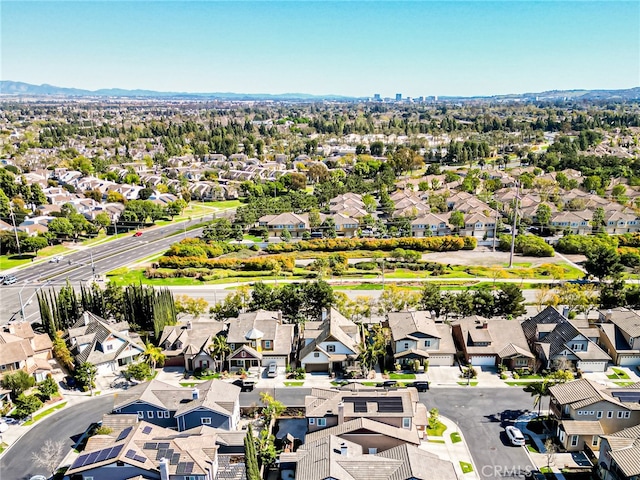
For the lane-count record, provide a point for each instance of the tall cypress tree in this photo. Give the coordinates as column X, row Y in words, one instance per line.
column 251, row 456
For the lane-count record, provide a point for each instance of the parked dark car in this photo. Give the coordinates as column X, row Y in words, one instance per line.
column 245, row 384
column 420, row 386
column 70, row 382
column 389, row 384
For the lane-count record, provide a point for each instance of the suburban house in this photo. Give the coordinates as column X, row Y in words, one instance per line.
column 213, row 403
column 620, row 336
column 259, row 338
column 415, row 336
column 326, row 408
column 332, row 457
column 187, row 344
column 143, row 450
column 22, row 349
column 431, row 225
column 492, row 342
column 586, row 410
column 108, row 346
column 331, row 344
column 560, row 342
column 296, row 224
column 619, row 457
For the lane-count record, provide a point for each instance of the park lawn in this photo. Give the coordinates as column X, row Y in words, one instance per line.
column 402, row 376
column 44, row 414
column 455, row 437
column 437, row 431
column 466, row 467
column 222, row 204
column 12, row 261
column 293, row 384
column 252, row 238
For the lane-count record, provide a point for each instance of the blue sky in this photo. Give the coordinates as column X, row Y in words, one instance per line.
column 354, row 48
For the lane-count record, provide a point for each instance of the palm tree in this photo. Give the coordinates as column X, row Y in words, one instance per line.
column 371, row 348
column 219, row 348
column 538, row 390
column 153, row 355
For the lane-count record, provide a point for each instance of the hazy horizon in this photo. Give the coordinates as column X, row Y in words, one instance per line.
column 343, row 48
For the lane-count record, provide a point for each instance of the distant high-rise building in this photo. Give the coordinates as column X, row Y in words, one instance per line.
column 376, row 97
column 420, row 99
column 398, row 97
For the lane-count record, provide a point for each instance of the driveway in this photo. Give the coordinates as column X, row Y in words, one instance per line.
column 482, row 414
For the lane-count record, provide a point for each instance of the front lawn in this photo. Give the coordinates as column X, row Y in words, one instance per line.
column 44, row 414
column 618, row 374
column 466, row 467
column 438, row 430
column 402, row 376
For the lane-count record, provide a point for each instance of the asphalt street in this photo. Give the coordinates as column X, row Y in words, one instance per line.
column 67, row 425
column 81, row 265
column 480, row 413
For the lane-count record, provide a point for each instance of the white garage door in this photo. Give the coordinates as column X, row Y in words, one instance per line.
column 483, row 361
column 281, row 361
column 628, row 361
column 435, row 360
column 592, row 366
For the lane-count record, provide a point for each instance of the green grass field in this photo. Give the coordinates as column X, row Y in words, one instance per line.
column 466, row 467
column 293, row 384
column 618, row 374
column 402, row 376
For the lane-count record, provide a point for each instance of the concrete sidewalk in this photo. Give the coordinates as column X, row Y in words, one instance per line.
column 445, row 448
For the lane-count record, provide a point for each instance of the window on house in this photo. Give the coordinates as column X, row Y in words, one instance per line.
column 109, row 347
column 620, row 414
column 627, row 414
column 140, row 415
column 599, row 415
column 312, row 421
column 579, row 412
column 427, row 343
column 609, row 414
column 594, row 441
column 190, row 477
column 406, row 423
column 574, row 440
column 149, row 413
column 267, row 344
column 406, row 345
column 373, row 451
column 206, row 420
column 331, row 348
column 316, row 354
column 322, row 422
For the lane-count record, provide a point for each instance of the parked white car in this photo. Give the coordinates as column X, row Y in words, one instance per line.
column 515, row 436
column 55, row 259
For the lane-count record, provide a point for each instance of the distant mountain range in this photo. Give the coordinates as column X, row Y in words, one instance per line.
column 21, row 89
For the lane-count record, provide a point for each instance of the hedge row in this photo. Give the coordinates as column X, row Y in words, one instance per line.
column 262, row 263
column 195, row 247
column 435, row 244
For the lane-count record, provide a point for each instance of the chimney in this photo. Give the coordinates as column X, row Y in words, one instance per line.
column 343, row 449
column 608, row 315
column 279, row 316
column 85, row 316
column 324, row 314
column 189, row 325
column 341, row 413
column 195, row 394
column 485, row 325
column 164, row 469
column 565, row 312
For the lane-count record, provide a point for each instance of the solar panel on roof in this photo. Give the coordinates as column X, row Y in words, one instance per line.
column 175, row 459
column 188, row 468
column 628, row 397
column 150, row 446
column 130, row 454
column 123, row 434
column 79, row 461
column 163, row 445
column 139, row 458
column 146, row 430
column 103, row 454
column 181, row 468
column 115, row 451
column 92, row 458
column 162, row 453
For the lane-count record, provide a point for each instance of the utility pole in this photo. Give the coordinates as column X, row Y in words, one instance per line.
column 15, row 230
column 93, row 266
column 515, row 219
column 495, row 226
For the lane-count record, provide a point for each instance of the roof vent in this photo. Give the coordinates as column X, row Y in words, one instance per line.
column 343, row 449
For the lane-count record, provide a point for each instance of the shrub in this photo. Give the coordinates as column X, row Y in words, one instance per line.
column 138, row 371
column 366, row 265
column 26, row 405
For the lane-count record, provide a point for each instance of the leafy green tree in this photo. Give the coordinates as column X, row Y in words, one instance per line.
column 61, row 227
column 285, row 236
column 266, row 448
column 33, row 244
column 598, row 220
column 218, row 230
column 48, row 388
column 139, row 371
column 26, row 405
column 431, row 298
column 509, row 301
column 85, row 375
column 457, row 220
column 153, row 355
column 18, row 382
column 603, row 261
column 102, row 220
column 5, row 205
column 543, row 215
column 538, row 390
column 272, row 408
